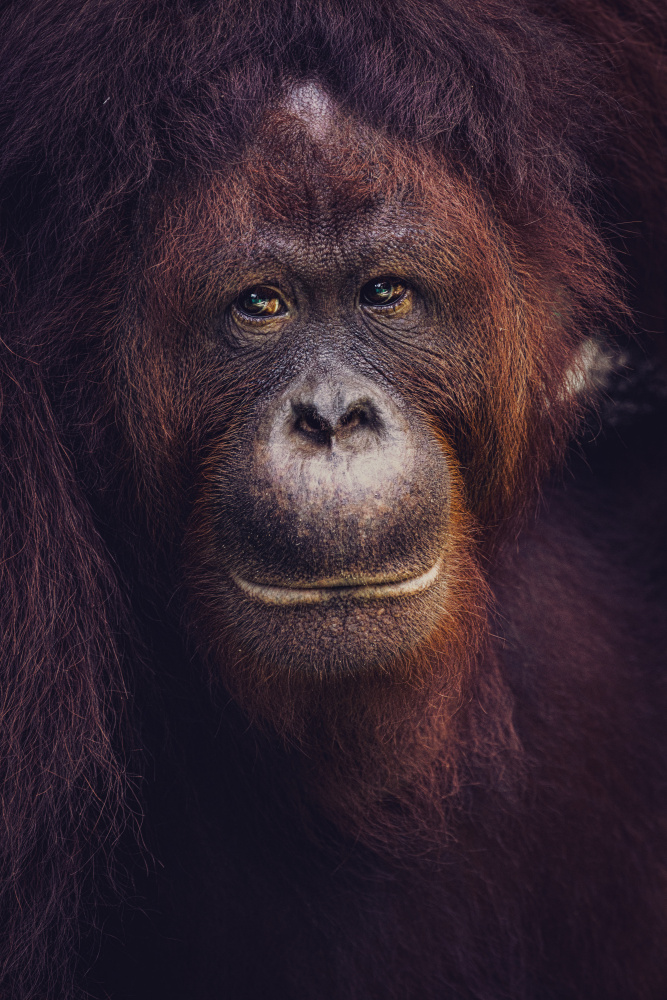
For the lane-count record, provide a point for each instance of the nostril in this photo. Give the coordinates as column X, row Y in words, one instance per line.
column 309, row 423
column 359, row 416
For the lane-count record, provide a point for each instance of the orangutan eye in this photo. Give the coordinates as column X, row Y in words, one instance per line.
column 382, row 292
column 260, row 302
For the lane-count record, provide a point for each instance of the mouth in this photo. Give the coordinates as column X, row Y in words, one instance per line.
column 316, row 593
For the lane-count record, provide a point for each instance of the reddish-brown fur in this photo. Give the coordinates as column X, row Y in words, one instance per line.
column 484, row 817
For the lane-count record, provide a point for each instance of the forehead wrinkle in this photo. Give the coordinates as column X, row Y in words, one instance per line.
column 313, row 254
column 416, row 221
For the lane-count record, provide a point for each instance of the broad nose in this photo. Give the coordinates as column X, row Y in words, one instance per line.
column 336, row 412
column 335, row 454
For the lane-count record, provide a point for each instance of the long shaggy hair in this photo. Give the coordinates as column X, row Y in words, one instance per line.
column 552, row 111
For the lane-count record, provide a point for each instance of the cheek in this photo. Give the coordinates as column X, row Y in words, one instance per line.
column 170, row 401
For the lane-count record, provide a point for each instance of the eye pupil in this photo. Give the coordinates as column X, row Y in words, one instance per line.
column 261, row 302
column 381, row 292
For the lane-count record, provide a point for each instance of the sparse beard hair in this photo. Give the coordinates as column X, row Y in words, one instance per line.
column 385, row 753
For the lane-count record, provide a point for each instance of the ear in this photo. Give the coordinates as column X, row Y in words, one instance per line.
column 590, row 370
column 62, row 775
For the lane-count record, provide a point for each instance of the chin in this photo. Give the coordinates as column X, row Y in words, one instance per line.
column 334, row 627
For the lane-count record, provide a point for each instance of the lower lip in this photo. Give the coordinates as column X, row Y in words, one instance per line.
column 282, row 596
